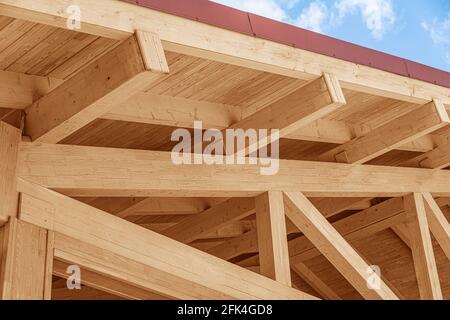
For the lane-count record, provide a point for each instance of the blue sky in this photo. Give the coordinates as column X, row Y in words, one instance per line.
column 418, row 30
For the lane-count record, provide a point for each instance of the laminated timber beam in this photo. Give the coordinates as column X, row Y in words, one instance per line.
column 391, row 135
column 149, row 108
column 127, row 69
column 214, row 218
column 334, row 247
column 172, row 269
column 307, row 104
column 27, row 259
column 93, row 171
column 9, row 145
column 116, row 19
column 272, row 237
column 422, row 248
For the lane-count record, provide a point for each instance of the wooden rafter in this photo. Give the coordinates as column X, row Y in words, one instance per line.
column 309, row 103
column 125, row 70
column 391, row 135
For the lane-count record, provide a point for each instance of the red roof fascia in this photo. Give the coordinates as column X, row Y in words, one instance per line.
column 250, row 24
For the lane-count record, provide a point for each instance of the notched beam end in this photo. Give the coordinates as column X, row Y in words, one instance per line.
column 152, row 52
column 335, row 89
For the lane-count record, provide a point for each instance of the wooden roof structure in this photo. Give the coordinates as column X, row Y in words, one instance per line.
column 87, row 179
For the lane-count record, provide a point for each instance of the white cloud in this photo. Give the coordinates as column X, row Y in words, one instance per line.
column 440, row 34
column 439, row 30
column 313, row 17
column 267, row 8
column 378, row 15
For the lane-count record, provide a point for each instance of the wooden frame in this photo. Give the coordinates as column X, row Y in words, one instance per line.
column 87, row 177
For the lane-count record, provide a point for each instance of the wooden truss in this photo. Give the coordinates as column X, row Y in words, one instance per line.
column 86, row 176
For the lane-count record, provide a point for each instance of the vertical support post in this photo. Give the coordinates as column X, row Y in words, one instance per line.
column 422, row 248
column 272, row 237
column 25, row 269
column 9, row 144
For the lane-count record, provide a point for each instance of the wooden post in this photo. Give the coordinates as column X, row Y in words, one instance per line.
column 9, row 142
column 272, row 237
column 26, row 268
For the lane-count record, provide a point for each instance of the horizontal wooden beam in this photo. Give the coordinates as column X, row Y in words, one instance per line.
column 117, row 19
column 199, row 225
column 182, row 271
column 112, row 78
column 92, row 171
column 391, row 135
column 334, row 247
column 172, row 111
column 149, row 108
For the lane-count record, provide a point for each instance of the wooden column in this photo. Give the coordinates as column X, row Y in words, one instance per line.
column 26, row 256
column 272, row 237
column 9, row 143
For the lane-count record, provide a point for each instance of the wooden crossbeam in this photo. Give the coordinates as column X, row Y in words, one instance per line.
column 272, row 237
column 155, row 206
column 391, row 135
column 145, row 107
column 439, row 225
column 172, row 268
column 309, row 103
column 422, row 248
column 199, row 225
column 127, row 69
column 92, row 171
column 9, row 145
column 333, row 246
column 105, row 284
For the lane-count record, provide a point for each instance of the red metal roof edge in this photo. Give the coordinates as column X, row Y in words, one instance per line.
column 250, row 24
